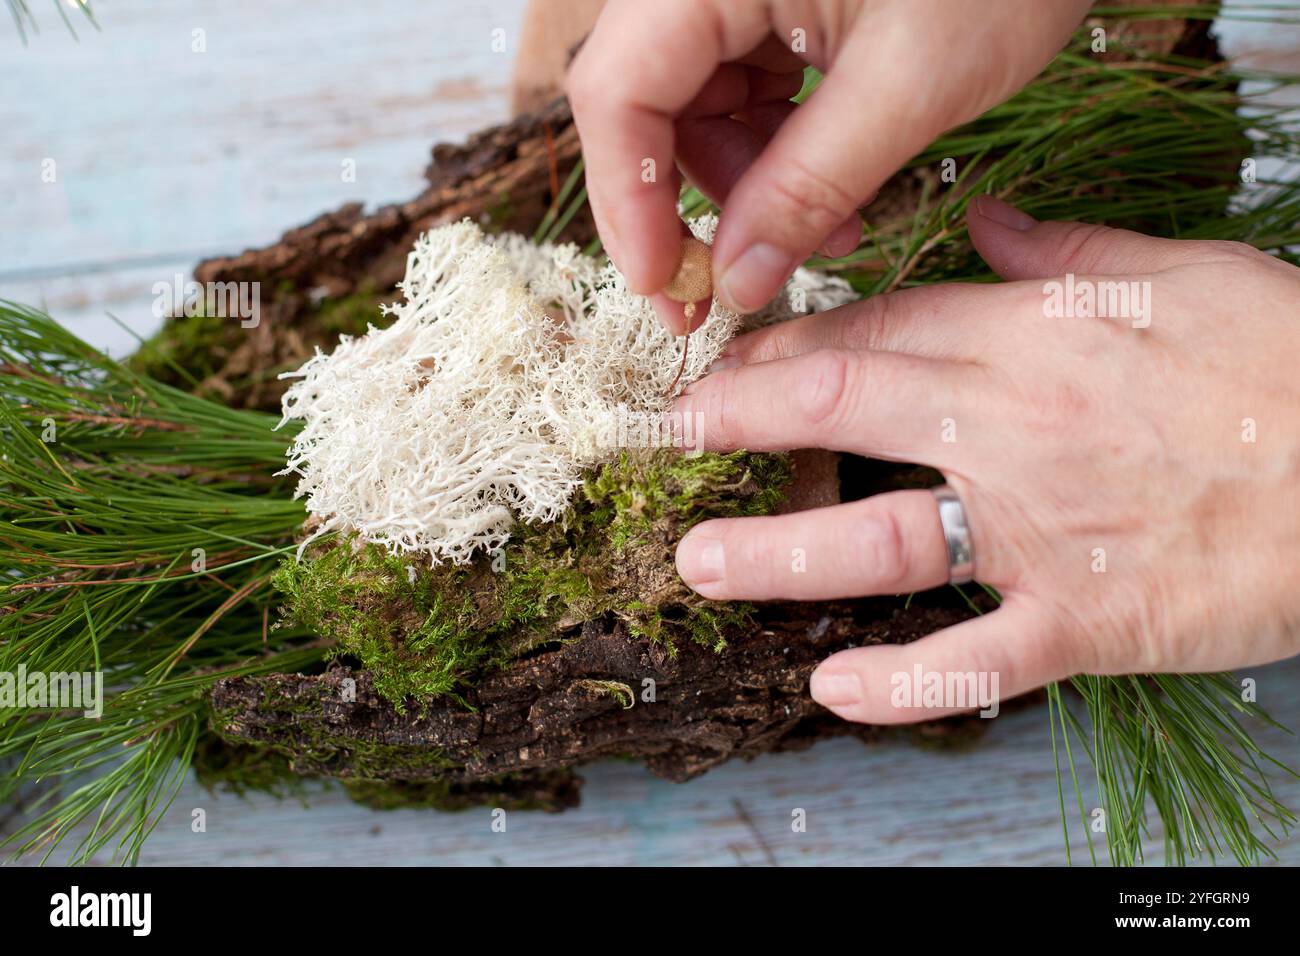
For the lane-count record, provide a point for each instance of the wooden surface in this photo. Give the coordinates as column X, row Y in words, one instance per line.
column 165, row 155
column 993, row 804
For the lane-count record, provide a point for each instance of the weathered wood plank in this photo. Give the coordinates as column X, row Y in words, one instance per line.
column 164, row 155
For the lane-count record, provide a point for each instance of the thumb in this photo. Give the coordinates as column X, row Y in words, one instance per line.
column 904, row 73
column 974, row 665
column 829, row 157
column 1017, row 246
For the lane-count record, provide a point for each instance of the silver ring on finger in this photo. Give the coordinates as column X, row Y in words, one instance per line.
column 956, row 535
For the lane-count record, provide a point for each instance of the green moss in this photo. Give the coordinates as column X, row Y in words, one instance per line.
column 351, row 314
column 429, row 632
column 416, row 638
column 200, row 345
column 614, row 688
column 549, row 791
column 498, row 213
column 309, row 748
column 195, row 343
column 311, row 751
column 631, row 496
column 221, row 764
column 280, row 701
column 366, row 759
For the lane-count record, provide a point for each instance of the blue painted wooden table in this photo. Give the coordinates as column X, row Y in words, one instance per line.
column 166, row 153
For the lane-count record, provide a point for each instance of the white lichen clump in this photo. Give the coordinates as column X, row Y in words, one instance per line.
column 509, row 368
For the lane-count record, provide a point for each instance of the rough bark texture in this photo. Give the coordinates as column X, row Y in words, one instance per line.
column 587, row 700
column 501, row 177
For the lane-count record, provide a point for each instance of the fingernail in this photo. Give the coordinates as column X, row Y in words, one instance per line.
column 832, row 688
column 833, row 251
column 609, row 240
column 723, row 362
column 671, row 315
column 1004, row 213
column 700, row 560
column 754, row 276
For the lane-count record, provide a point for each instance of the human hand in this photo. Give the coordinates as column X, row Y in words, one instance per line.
column 1131, row 482
column 706, row 84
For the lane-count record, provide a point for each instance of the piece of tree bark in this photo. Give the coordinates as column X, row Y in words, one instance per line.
column 502, row 178
column 606, row 694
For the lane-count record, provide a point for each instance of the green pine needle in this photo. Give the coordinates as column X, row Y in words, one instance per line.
column 25, row 20
column 139, row 526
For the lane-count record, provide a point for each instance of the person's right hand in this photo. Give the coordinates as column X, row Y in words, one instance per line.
column 1128, row 463
column 706, row 84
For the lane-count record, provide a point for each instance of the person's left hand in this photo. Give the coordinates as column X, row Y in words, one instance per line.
column 1131, row 482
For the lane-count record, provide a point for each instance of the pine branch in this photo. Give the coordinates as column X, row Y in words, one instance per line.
column 138, row 527
column 25, row 20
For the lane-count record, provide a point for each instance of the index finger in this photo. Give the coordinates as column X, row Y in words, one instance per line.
column 642, row 65
column 884, row 405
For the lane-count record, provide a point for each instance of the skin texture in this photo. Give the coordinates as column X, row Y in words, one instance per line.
column 703, row 86
column 1173, row 446
column 1131, row 491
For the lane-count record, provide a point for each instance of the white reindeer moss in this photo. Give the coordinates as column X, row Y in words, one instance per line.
column 509, row 368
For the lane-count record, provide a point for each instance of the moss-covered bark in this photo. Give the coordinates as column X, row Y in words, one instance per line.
column 228, row 765
column 425, row 632
column 217, row 358
column 566, row 704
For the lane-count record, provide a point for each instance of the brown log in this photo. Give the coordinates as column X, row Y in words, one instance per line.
column 499, row 177
column 586, row 700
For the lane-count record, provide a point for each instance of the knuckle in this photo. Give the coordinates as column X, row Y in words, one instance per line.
column 821, row 387
column 752, row 550
column 805, row 196
column 1079, row 245
column 583, row 85
column 875, row 323
column 577, row 85
column 767, row 345
column 722, row 401
column 888, row 550
column 1229, row 249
